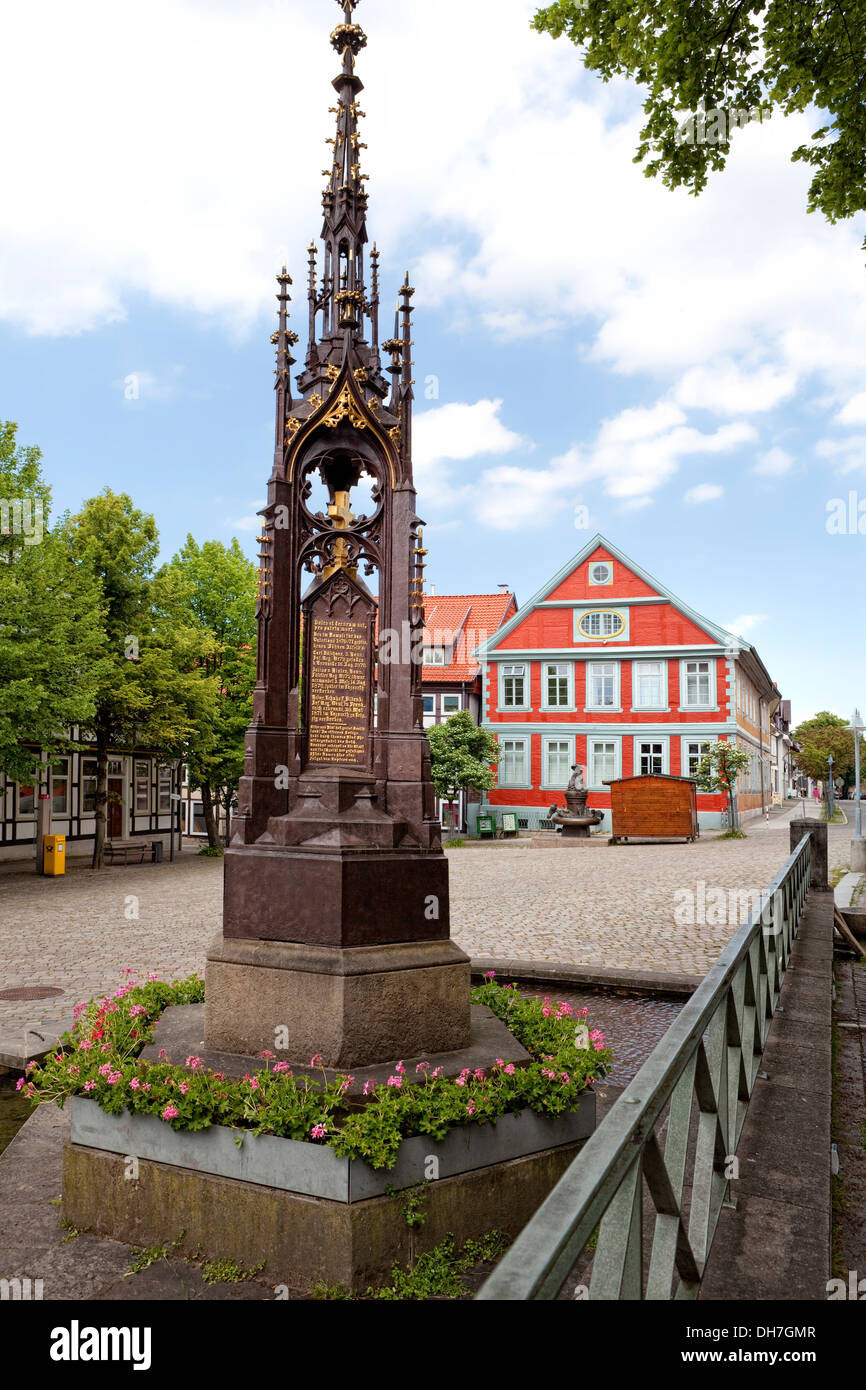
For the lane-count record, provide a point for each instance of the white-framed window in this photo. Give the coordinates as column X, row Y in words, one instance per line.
column 60, row 788
column 697, row 684
column 450, row 705
column 88, row 786
column 603, row 760
column 142, row 788
column 557, row 688
column 433, row 656
column 514, row 769
column 429, row 710
column 602, row 685
column 601, row 572
column 557, row 756
column 602, row 622
column 693, row 750
column 115, row 767
column 649, row 685
column 650, row 756
column 26, row 799
column 513, row 685
column 164, row 789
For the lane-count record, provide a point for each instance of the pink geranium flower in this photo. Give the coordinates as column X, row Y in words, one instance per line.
column 170, row 1113
column 395, row 1081
column 318, row 1131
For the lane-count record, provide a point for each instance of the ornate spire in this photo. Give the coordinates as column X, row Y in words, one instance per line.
column 343, row 308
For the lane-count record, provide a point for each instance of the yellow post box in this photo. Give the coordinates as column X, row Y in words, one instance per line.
column 54, row 854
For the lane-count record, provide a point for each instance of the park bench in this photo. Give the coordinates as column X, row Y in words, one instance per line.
column 127, row 851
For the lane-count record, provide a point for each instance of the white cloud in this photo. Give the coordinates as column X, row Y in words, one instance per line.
column 704, row 492
column 849, row 453
column 745, row 623
column 207, row 176
column 727, row 389
column 454, row 432
column 854, row 413
column 243, row 523
column 773, row 463
column 634, row 454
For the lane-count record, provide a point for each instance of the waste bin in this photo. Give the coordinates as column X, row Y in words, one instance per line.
column 156, row 847
column 54, row 854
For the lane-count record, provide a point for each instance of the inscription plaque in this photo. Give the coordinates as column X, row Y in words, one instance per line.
column 339, row 690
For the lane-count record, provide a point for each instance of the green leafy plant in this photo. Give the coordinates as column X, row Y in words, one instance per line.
column 228, row 1271
column 100, row 1059
column 439, row 1273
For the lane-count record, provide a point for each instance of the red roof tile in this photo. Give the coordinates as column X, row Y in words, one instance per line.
column 462, row 621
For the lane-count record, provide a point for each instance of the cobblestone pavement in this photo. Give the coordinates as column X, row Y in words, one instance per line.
column 593, row 905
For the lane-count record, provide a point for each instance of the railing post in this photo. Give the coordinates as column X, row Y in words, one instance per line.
column 800, row 827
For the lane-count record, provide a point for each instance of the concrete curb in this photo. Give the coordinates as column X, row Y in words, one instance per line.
column 579, row 976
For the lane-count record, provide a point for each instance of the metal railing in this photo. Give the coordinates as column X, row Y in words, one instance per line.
column 710, row 1055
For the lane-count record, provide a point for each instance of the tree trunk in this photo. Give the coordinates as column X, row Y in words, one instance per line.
column 209, row 821
column 228, row 794
column 101, row 800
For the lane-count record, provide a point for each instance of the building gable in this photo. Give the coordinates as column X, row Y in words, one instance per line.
column 602, row 577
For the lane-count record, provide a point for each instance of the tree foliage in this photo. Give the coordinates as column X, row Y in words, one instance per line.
column 150, row 692
column 749, row 57
column 462, row 757
column 820, row 737
column 50, row 620
column 719, row 769
column 214, row 589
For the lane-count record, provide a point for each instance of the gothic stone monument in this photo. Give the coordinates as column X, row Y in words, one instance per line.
column 335, row 932
column 336, row 923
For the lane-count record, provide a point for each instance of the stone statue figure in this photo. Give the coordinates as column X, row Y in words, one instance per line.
column 576, row 792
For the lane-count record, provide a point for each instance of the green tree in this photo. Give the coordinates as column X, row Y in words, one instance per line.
column 149, row 692
column 731, row 61
column 824, row 735
column 462, row 757
column 214, row 588
column 719, row 769
column 50, row 621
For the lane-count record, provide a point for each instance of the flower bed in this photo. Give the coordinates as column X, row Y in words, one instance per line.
column 100, row 1061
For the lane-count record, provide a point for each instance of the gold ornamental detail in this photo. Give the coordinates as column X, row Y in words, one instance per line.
column 344, row 406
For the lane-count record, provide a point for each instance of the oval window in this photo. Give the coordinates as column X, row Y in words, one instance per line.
column 601, row 623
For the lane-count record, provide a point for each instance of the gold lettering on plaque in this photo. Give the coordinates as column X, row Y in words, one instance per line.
column 339, row 696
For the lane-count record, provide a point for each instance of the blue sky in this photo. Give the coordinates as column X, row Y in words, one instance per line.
column 692, row 371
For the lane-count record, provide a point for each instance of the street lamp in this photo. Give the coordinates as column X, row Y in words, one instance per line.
column 858, row 849
column 831, row 810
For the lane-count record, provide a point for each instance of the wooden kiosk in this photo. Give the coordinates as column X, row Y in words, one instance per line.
column 653, row 807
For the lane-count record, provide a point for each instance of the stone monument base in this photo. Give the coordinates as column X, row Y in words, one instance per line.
column 300, row 1239
column 179, row 1034
column 353, row 1007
